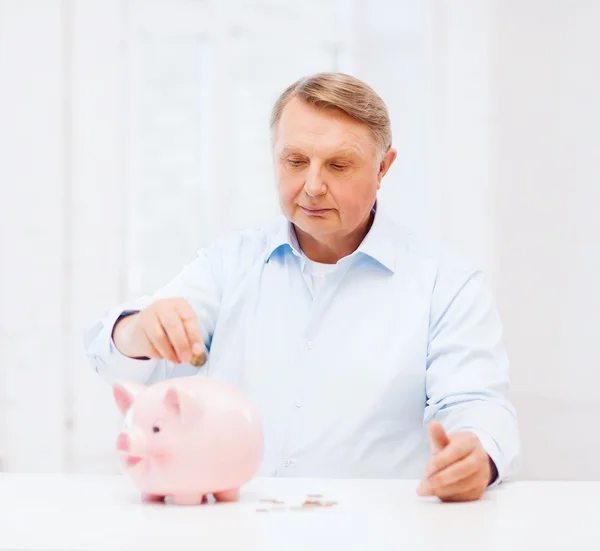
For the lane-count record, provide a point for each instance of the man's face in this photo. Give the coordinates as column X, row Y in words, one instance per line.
column 327, row 170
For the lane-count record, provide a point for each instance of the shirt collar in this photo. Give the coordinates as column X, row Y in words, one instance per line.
column 378, row 244
column 282, row 237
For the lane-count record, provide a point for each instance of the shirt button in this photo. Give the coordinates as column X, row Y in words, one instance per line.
column 309, row 345
column 287, row 463
column 298, row 404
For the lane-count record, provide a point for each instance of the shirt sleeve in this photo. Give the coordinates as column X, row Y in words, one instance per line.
column 467, row 379
column 198, row 283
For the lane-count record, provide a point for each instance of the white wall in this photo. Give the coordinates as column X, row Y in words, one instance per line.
column 547, row 190
column 132, row 132
column 33, row 235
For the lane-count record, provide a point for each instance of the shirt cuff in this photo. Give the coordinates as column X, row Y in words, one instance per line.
column 110, row 363
column 114, row 348
column 491, row 448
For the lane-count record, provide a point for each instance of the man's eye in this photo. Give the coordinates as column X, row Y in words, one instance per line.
column 295, row 162
column 338, row 167
column 155, row 429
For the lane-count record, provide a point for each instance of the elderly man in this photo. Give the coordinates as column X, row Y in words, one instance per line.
column 368, row 352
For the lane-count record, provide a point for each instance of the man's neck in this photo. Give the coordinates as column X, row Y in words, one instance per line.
column 329, row 251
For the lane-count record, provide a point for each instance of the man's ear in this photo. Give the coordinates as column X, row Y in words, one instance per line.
column 385, row 164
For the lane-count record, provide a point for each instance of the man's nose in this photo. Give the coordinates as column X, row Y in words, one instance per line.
column 314, row 184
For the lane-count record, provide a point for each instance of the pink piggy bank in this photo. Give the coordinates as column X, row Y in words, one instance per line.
column 188, row 437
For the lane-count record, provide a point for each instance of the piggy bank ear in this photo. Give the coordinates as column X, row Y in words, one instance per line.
column 124, row 393
column 183, row 404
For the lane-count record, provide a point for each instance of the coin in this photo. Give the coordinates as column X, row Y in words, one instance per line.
column 313, row 503
column 198, row 360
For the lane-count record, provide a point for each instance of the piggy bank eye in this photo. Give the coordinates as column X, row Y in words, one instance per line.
column 155, row 429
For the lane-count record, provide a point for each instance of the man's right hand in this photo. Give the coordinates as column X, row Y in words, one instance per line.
column 166, row 329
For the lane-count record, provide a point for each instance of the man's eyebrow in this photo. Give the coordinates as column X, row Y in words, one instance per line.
column 346, row 152
column 289, row 149
column 343, row 152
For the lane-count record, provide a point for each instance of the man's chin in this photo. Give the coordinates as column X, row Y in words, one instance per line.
column 317, row 229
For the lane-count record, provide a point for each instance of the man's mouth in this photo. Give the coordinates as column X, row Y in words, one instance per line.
column 314, row 211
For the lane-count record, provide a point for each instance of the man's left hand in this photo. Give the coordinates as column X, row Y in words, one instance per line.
column 460, row 469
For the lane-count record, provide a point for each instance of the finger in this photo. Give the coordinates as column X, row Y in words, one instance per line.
column 159, row 340
column 152, row 352
column 177, row 335
column 456, row 472
column 458, row 448
column 437, row 436
column 192, row 327
column 425, row 489
column 468, row 489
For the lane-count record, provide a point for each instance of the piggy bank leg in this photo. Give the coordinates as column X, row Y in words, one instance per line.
column 228, row 495
column 152, row 498
column 188, row 499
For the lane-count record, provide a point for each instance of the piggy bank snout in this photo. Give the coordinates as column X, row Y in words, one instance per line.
column 123, row 443
column 131, row 443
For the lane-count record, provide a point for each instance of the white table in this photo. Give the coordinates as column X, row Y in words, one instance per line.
column 77, row 512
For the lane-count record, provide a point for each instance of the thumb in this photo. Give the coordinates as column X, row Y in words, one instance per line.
column 437, row 436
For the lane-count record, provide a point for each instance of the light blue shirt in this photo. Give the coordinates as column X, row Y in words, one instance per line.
column 346, row 378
